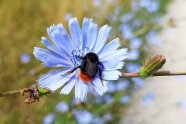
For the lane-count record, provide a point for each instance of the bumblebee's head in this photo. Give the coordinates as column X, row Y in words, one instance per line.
column 92, row 57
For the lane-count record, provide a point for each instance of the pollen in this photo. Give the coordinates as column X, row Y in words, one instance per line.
column 85, row 77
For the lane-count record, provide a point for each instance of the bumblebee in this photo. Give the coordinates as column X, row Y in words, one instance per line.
column 89, row 67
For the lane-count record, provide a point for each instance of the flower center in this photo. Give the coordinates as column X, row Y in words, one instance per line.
column 77, row 55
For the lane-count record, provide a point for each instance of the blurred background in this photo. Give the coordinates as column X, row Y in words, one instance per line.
column 141, row 26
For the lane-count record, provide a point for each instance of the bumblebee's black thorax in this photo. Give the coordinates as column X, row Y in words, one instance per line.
column 90, row 64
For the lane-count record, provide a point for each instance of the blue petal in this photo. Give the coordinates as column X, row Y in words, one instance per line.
column 60, row 37
column 51, row 59
column 99, row 87
column 68, row 87
column 91, row 35
column 103, row 35
column 117, row 54
column 85, row 29
column 55, row 79
column 45, row 76
column 76, row 32
column 81, row 90
column 112, row 65
column 111, row 75
column 53, row 48
column 110, row 47
column 113, row 60
column 120, row 65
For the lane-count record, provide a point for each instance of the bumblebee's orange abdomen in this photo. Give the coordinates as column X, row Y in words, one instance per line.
column 85, row 77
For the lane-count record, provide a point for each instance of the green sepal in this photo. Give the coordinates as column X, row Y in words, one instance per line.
column 43, row 91
column 143, row 72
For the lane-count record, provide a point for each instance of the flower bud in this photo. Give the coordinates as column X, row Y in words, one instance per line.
column 43, row 91
column 152, row 65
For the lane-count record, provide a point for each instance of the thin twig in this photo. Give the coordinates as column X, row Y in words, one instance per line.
column 159, row 73
column 9, row 93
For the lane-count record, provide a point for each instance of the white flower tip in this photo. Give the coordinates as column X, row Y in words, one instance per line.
column 85, row 19
column 72, row 20
column 60, row 25
column 107, row 26
column 64, row 93
column 43, row 38
column 102, row 93
column 119, row 73
column 34, row 50
column 48, row 29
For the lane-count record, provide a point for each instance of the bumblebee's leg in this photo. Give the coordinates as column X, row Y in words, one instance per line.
column 71, row 71
column 100, row 75
column 92, row 84
column 80, row 57
column 100, row 67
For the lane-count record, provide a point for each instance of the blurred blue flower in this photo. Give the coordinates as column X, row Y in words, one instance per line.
column 83, row 117
column 99, row 100
column 111, row 86
column 122, row 85
column 133, row 54
column 151, row 36
column 108, row 99
column 133, row 67
column 97, row 120
column 62, row 107
column 127, row 17
column 126, row 31
column 137, row 23
column 25, row 58
column 182, row 103
column 67, row 51
column 148, row 99
column 138, row 82
column 135, row 43
column 107, row 117
column 150, row 5
column 49, row 118
column 135, row 5
column 125, row 99
column 74, row 101
column 98, row 3
column 68, row 16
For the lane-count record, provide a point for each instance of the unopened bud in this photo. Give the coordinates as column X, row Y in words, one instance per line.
column 152, row 65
